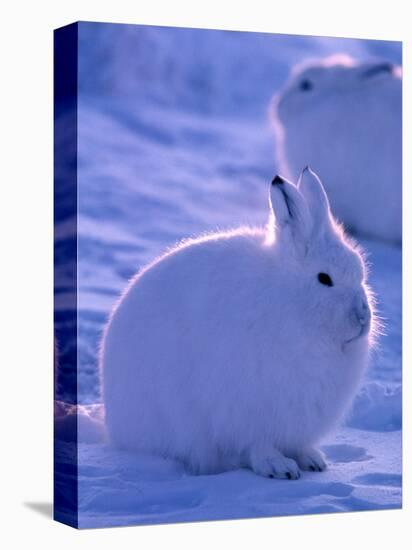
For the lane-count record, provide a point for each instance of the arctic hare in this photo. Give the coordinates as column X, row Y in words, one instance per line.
column 242, row 349
column 345, row 118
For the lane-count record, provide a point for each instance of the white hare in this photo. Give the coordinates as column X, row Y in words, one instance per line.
column 244, row 348
column 345, row 118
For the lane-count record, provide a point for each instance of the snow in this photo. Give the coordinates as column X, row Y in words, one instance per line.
column 172, row 159
column 118, row 488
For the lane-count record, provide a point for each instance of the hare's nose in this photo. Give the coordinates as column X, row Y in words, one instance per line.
column 363, row 312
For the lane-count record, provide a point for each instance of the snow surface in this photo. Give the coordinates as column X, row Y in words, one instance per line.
column 191, row 151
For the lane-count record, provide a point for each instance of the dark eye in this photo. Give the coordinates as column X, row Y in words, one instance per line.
column 306, row 85
column 325, row 279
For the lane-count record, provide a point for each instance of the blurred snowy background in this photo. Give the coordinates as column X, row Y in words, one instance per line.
column 174, row 139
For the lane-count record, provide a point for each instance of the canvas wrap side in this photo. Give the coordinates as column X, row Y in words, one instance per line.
column 65, row 270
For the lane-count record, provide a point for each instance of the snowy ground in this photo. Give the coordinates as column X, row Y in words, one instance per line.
column 151, row 173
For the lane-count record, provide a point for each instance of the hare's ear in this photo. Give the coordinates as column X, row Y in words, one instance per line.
column 312, row 189
column 291, row 213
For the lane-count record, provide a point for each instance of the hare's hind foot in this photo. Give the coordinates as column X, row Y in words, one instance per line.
column 310, row 460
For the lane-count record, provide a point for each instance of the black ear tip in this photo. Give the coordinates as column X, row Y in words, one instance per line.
column 277, row 180
column 307, row 168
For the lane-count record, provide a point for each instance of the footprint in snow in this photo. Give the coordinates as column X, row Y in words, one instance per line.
column 346, row 453
column 141, row 503
column 389, row 480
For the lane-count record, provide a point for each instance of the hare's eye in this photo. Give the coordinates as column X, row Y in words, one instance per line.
column 325, row 279
column 306, row 85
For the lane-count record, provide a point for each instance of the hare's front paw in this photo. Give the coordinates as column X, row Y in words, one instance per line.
column 274, row 465
column 311, row 460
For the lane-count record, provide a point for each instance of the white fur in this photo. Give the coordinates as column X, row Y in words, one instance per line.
column 227, row 351
column 348, row 125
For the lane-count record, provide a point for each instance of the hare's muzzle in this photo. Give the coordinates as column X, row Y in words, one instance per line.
column 361, row 316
